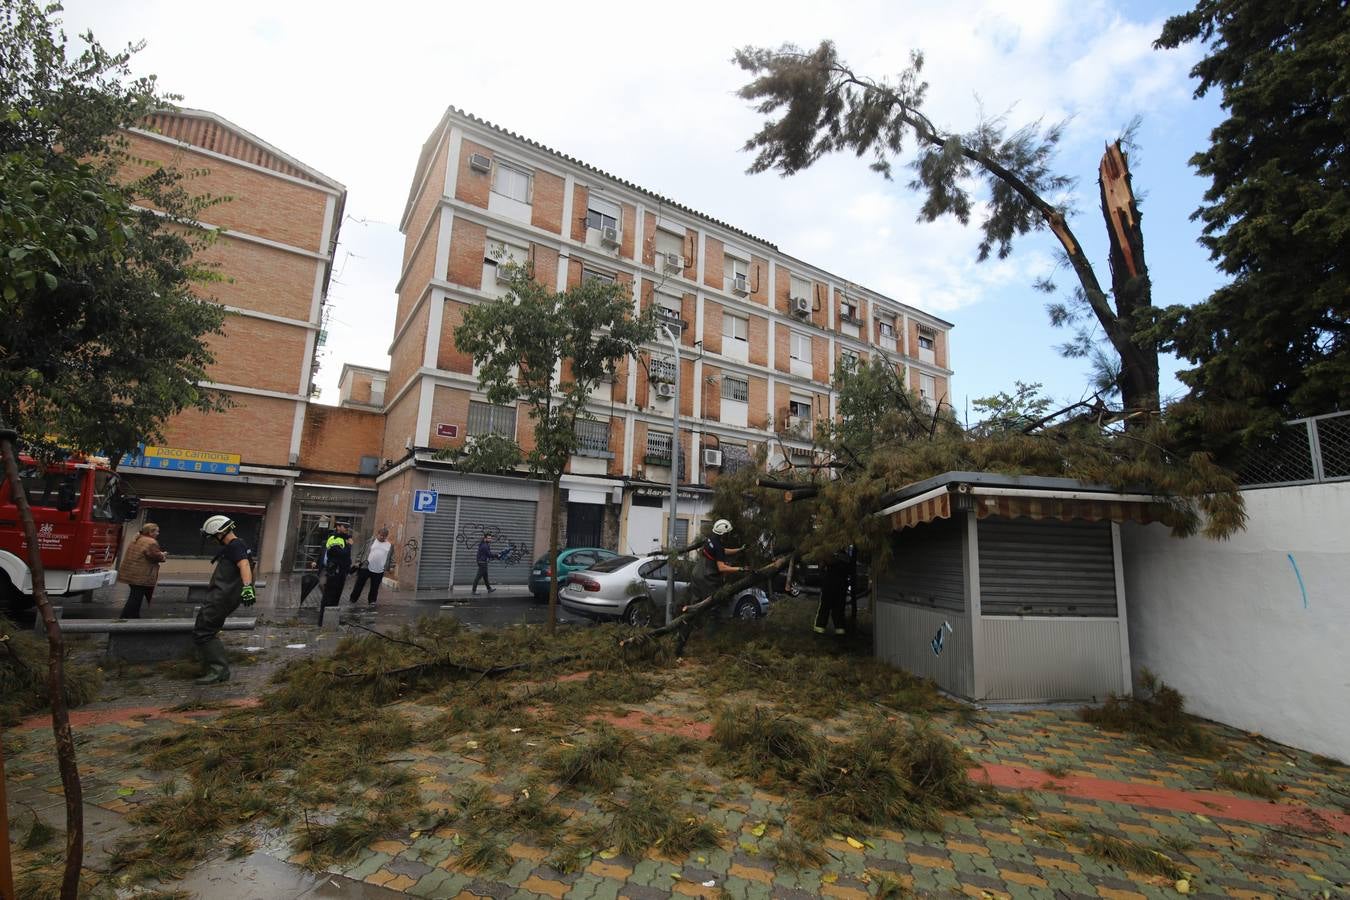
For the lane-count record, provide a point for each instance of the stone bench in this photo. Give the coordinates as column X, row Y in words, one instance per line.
column 146, row 640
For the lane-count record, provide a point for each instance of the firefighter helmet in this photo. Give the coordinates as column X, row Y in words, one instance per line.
column 217, row 525
column 721, row 526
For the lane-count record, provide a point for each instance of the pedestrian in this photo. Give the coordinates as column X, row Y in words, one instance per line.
column 231, row 584
column 833, row 591
column 337, row 563
column 374, row 566
column 140, row 569
column 485, row 556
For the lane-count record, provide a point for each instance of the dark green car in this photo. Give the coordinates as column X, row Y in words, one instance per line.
column 572, row 559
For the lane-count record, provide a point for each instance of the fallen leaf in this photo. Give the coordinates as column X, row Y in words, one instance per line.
column 855, row 843
column 415, row 835
column 1183, row 886
column 125, row 792
column 609, row 853
column 1204, row 819
column 829, row 878
column 758, row 830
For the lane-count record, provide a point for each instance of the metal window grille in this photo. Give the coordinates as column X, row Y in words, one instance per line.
column 663, row 369
column 736, row 389
column 735, row 458
column 658, row 446
column 1303, row 451
column 487, row 418
column 592, row 435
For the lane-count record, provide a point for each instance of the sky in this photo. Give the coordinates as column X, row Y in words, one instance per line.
column 647, row 93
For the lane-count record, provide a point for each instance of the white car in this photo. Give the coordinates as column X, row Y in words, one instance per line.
column 633, row 589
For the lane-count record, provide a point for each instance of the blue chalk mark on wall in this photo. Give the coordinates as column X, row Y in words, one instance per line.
column 937, row 642
column 1299, row 576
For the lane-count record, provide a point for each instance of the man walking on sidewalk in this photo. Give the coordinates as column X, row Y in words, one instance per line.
column 484, row 557
column 377, row 561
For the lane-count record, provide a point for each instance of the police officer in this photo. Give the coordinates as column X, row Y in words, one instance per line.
column 231, row 584
column 337, row 557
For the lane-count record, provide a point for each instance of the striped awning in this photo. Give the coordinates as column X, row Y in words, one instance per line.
column 1027, row 507
column 1060, row 509
column 939, row 507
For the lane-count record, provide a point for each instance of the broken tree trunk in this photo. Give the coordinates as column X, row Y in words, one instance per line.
column 56, row 679
column 694, row 611
column 1130, row 284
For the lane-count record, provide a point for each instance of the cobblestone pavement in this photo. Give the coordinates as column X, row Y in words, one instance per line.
column 1078, row 781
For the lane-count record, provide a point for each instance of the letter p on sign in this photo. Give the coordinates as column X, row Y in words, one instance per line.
column 424, row 501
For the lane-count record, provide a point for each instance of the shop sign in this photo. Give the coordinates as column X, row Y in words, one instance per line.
column 447, row 431
column 172, row 459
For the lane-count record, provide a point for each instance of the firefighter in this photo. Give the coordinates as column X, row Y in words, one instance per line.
column 713, row 566
column 231, row 584
column 833, row 591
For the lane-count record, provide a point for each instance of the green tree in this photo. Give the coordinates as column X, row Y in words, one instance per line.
column 101, row 335
column 1274, row 343
column 1024, row 407
column 826, row 107
column 549, row 350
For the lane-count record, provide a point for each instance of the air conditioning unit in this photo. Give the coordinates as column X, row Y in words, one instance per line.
column 801, row 306
column 480, row 162
column 610, row 236
column 712, row 458
column 740, row 285
column 672, row 263
column 665, row 391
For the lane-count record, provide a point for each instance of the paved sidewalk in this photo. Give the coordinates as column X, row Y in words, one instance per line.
column 1078, row 782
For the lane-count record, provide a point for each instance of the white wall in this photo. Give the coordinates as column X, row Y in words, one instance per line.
column 1227, row 625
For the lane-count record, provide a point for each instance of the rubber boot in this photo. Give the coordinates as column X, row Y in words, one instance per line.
column 217, row 663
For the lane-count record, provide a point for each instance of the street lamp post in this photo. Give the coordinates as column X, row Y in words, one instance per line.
column 674, row 475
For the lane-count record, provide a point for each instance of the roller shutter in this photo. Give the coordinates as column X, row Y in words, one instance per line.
column 450, row 539
column 1039, row 568
column 928, row 567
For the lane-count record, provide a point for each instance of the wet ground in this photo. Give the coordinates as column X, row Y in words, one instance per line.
column 1077, row 779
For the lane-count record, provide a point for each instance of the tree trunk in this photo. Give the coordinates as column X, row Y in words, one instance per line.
column 56, row 681
column 554, row 526
column 1130, row 284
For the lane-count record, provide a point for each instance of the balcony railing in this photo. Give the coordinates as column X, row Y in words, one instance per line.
column 794, row 426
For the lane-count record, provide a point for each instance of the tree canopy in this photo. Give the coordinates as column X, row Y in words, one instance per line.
column 101, row 335
column 1274, row 343
column 549, row 350
column 822, row 106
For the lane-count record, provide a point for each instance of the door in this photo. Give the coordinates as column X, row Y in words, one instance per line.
column 584, row 523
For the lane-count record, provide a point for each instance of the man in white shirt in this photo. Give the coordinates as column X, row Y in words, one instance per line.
column 374, row 567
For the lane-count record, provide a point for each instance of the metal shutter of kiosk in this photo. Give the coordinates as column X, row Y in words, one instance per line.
column 1039, row 568
column 450, row 540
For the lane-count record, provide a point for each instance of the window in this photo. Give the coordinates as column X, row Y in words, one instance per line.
column 735, row 388
column 601, row 213
column 885, row 328
column 487, row 418
column 668, row 242
column 662, row 369
column 512, row 181
column 925, row 340
column 370, row 465
column 735, row 457
column 799, row 287
column 848, row 310
column 927, row 387
column 498, row 253
column 309, row 540
column 180, row 530
column 658, row 448
column 801, row 347
column 102, row 509
column 735, row 328
column 849, row 359
column 592, row 436
column 737, row 272
column 589, row 274
column 800, row 409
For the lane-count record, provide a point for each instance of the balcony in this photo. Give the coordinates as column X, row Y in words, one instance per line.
column 793, row 426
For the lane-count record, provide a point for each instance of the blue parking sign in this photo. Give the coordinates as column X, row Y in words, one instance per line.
column 425, row 501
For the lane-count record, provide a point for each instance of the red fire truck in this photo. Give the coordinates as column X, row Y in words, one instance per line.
column 79, row 507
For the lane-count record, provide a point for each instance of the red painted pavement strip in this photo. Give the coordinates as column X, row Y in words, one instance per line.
column 1205, row 803
column 80, row 718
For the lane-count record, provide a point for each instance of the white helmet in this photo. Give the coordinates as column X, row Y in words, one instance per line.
column 217, row 525
column 721, row 526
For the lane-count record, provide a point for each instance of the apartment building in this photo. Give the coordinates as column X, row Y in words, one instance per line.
column 275, row 235
column 759, row 336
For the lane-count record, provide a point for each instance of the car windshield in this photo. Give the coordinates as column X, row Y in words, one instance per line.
column 614, row 564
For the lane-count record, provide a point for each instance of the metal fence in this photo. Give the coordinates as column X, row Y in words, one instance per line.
column 1304, row 451
column 592, row 435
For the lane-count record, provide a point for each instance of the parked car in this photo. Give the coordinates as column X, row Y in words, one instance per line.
column 633, row 589
column 571, row 559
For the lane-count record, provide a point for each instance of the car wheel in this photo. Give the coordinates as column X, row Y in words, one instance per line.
column 640, row 613
column 748, row 609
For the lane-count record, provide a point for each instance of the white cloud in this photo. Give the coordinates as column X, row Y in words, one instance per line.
column 648, row 94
